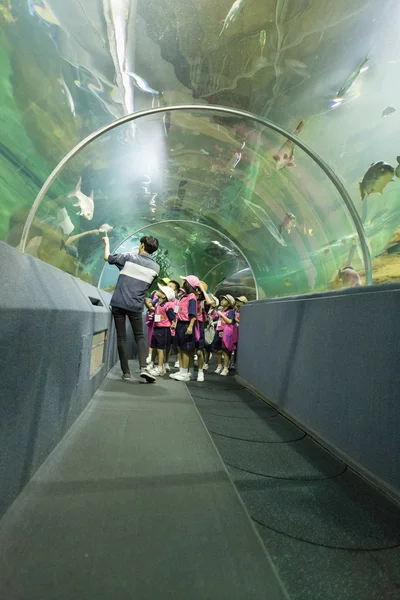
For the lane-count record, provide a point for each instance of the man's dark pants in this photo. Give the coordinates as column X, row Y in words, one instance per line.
column 136, row 320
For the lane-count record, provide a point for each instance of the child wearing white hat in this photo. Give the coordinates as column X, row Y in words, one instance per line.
column 164, row 317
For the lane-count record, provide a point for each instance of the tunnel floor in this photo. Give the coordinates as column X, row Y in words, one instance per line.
column 135, row 502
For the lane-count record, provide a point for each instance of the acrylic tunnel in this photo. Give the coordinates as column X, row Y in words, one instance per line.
column 224, row 191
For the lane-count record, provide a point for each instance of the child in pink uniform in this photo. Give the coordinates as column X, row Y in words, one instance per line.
column 185, row 333
column 238, row 304
column 164, row 317
column 200, row 339
column 150, row 304
column 212, row 319
column 174, row 285
column 224, row 335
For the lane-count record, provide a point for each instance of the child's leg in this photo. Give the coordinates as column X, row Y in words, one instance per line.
column 186, row 355
column 191, row 361
column 200, row 358
column 227, row 357
column 168, row 354
column 206, row 356
column 219, row 358
column 160, row 358
column 200, row 362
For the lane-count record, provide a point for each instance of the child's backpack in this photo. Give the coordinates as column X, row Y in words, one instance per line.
column 209, row 333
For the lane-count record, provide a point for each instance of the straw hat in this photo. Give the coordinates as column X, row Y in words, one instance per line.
column 230, row 299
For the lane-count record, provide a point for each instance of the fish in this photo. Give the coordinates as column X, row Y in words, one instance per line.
column 288, row 222
column 85, row 203
column 263, row 40
column 265, row 220
column 233, row 14
column 351, row 78
column 65, row 222
column 391, row 248
column 32, row 248
column 287, row 282
column 106, row 228
column 297, row 67
column 284, row 156
column 142, row 84
column 237, row 157
column 71, row 250
column 349, row 277
column 68, row 95
column 204, row 152
column 181, row 190
column 376, row 179
column 42, row 9
column 397, row 170
column 388, row 111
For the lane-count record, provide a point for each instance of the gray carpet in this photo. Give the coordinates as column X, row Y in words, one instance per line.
column 135, row 503
column 331, row 535
column 277, row 430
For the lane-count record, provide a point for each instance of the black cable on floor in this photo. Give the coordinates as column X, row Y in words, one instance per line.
column 300, row 539
column 236, row 417
column 223, row 400
column 257, row 441
column 210, row 387
column 285, row 478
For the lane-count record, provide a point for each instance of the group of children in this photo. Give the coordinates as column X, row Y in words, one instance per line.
column 196, row 323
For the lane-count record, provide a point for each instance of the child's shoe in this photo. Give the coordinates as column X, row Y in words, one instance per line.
column 181, row 377
column 157, row 371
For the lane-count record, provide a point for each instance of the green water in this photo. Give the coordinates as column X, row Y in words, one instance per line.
column 206, row 184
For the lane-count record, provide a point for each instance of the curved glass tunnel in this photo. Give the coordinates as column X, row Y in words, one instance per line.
column 214, row 187
column 63, row 75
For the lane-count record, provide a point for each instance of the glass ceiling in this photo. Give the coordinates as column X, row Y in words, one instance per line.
column 69, row 68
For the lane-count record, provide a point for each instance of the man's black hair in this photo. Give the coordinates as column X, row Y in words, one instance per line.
column 150, row 243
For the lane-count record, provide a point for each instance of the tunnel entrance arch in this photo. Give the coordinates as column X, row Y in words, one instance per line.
column 154, row 226
column 227, row 112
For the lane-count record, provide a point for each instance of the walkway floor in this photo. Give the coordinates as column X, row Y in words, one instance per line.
column 134, row 503
column 330, row 534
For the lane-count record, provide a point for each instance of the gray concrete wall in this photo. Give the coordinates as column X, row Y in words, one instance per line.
column 332, row 362
column 46, row 326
